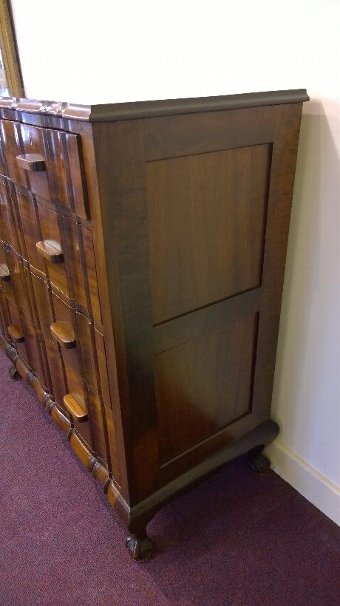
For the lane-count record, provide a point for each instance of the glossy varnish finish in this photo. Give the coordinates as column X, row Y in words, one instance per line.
column 141, row 272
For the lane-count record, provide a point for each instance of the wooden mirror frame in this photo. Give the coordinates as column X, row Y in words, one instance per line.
column 9, row 51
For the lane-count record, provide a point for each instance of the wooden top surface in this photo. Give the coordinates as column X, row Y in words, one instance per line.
column 148, row 109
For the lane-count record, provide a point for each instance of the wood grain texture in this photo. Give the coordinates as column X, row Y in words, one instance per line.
column 185, row 135
column 207, row 219
column 203, row 385
column 63, row 333
column 123, row 223
column 96, row 270
column 76, row 407
column 10, row 227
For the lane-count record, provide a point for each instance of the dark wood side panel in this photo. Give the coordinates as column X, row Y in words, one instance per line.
column 186, row 135
column 203, row 385
column 206, row 221
column 191, row 239
column 201, row 322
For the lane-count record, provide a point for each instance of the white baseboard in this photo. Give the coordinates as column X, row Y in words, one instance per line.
column 309, row 482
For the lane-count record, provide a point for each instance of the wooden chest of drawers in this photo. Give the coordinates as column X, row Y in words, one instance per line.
column 142, row 263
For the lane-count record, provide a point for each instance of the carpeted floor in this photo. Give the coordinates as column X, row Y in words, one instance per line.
column 235, row 540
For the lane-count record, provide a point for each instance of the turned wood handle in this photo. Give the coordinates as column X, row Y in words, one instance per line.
column 32, row 162
column 15, row 334
column 76, row 406
column 63, row 333
column 50, row 250
column 4, row 272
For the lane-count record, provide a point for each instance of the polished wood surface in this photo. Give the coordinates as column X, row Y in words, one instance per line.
column 141, row 272
column 207, row 218
column 63, row 333
column 32, row 162
column 76, row 407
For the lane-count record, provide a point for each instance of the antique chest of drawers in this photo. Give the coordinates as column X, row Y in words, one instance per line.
column 142, row 263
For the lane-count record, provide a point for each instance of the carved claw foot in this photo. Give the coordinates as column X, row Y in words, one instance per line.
column 13, row 373
column 258, row 463
column 139, row 548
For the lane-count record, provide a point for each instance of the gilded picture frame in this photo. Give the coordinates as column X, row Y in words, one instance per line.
column 11, row 83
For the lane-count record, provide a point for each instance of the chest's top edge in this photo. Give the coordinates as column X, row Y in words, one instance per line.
column 148, row 109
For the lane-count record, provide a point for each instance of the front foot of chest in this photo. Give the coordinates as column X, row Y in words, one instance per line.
column 140, row 548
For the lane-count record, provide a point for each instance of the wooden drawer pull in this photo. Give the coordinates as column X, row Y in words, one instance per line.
column 76, row 406
column 32, row 162
column 50, row 250
column 15, row 334
column 63, row 333
column 4, row 272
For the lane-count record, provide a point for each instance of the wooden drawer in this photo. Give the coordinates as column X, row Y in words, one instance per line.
column 48, row 162
column 43, row 301
column 92, row 277
column 17, row 330
column 12, row 146
column 62, row 249
column 28, row 310
column 72, row 331
column 74, row 335
column 10, row 232
column 22, row 330
column 28, row 227
column 67, row 250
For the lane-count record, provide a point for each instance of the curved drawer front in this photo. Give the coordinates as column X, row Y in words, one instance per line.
column 57, row 246
column 49, row 299
column 22, row 329
column 10, row 229
column 46, row 161
column 70, row 344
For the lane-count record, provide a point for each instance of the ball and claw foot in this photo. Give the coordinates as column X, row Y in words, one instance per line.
column 259, row 463
column 139, row 548
column 13, row 373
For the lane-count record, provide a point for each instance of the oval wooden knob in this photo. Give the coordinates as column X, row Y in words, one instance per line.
column 4, row 272
column 76, row 406
column 15, row 334
column 32, row 162
column 63, row 333
column 50, row 250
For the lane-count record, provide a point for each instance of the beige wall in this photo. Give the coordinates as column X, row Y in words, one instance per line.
column 108, row 51
column 306, row 399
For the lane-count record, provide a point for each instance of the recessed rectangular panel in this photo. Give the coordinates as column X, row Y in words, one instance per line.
column 203, row 385
column 207, row 216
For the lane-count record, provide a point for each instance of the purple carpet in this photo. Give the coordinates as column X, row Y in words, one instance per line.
column 235, row 540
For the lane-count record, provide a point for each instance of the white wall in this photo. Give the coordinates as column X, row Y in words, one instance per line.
column 107, row 51
column 306, row 398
